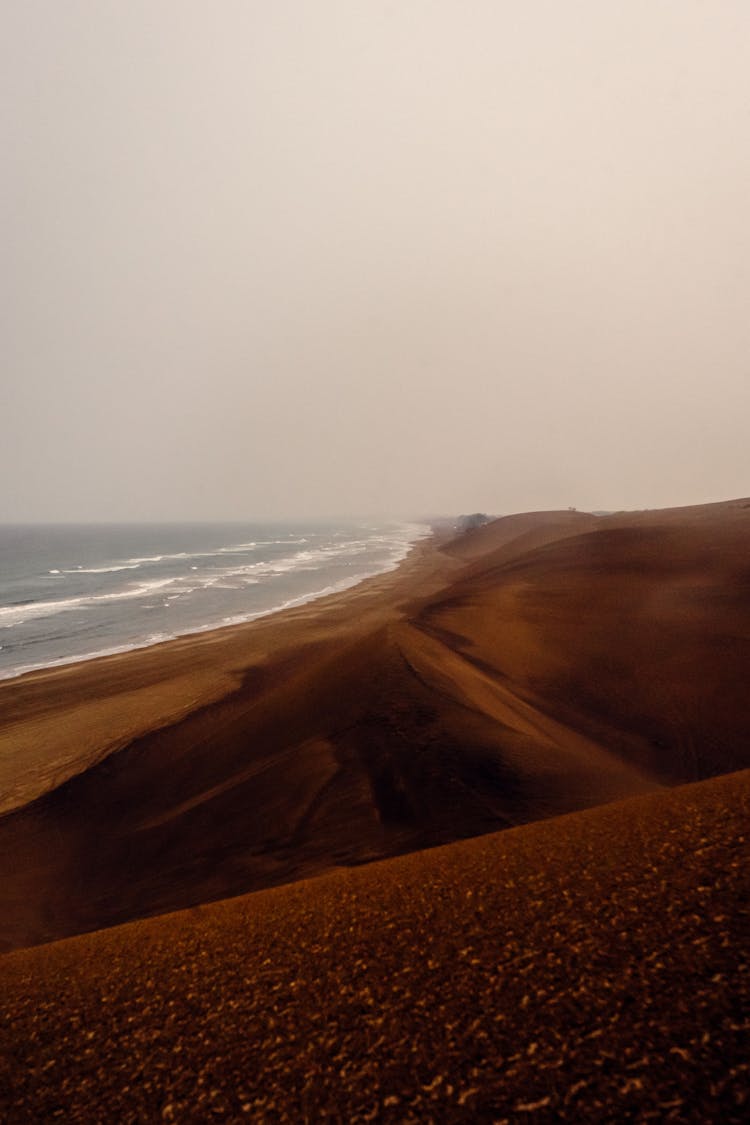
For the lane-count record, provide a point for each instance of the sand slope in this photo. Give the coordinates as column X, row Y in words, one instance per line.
column 591, row 968
column 535, row 666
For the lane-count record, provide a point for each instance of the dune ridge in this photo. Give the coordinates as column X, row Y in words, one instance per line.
column 538, row 665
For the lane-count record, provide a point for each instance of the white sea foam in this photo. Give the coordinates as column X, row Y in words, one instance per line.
column 397, row 544
column 291, row 603
column 233, row 548
column 310, row 559
column 303, row 559
column 161, row 558
column 241, row 548
column 178, row 556
column 16, row 614
column 99, row 569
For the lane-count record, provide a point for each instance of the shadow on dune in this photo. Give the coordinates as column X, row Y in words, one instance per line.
column 569, row 660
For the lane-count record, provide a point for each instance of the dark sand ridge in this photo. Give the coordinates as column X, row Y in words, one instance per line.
column 591, row 968
column 545, row 663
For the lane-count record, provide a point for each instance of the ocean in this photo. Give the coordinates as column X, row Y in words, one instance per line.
column 70, row 592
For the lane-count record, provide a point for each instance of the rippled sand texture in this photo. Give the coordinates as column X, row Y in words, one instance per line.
column 588, row 968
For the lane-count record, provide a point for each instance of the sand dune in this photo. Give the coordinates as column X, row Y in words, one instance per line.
column 541, row 664
column 591, row 968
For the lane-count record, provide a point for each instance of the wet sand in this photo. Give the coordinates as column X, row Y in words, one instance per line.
column 545, row 663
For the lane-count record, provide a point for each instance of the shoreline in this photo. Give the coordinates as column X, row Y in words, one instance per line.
column 489, row 687
column 538, row 665
column 167, row 687
column 340, row 586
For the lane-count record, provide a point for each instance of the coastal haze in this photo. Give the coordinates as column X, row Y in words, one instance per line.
column 374, row 540
column 309, row 259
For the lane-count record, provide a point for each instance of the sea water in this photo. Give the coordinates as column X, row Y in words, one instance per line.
column 69, row 592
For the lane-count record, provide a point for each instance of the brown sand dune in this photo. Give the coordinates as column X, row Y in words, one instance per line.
column 591, row 968
column 538, row 665
column 637, row 634
column 514, row 535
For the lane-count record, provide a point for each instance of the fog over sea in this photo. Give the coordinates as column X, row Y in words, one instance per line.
column 70, row 592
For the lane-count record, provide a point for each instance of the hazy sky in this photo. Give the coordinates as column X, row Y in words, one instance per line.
column 326, row 256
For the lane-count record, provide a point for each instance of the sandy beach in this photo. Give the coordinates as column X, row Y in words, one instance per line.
column 375, row 564
column 571, row 962
column 542, row 664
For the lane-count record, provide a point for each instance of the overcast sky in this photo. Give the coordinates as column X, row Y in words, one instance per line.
column 307, row 257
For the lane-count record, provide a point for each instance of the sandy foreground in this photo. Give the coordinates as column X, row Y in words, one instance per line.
column 592, row 967
column 513, row 678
